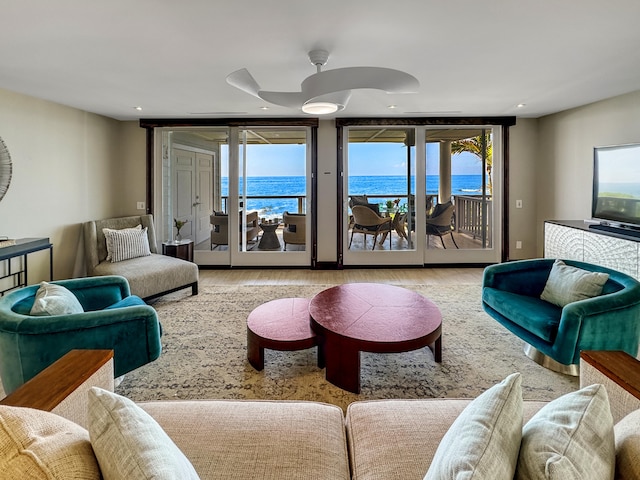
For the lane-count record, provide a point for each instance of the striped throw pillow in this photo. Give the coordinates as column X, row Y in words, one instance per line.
column 126, row 243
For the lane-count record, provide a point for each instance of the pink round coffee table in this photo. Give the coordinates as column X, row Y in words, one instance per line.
column 281, row 324
column 371, row 317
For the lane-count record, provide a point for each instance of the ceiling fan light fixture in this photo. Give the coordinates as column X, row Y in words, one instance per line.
column 320, row 108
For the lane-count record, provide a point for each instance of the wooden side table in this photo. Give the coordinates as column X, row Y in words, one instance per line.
column 182, row 249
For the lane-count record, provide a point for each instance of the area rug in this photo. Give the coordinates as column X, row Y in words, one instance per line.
column 204, row 354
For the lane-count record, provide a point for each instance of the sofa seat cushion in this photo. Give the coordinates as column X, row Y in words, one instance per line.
column 244, row 439
column 152, row 274
column 532, row 314
column 412, row 430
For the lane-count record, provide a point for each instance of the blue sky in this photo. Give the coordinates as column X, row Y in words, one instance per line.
column 364, row 159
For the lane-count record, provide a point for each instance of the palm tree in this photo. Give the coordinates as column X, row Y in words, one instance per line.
column 474, row 145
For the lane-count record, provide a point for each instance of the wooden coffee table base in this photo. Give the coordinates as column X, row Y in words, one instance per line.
column 280, row 325
column 363, row 317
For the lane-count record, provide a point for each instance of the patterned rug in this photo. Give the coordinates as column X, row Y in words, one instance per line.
column 204, row 354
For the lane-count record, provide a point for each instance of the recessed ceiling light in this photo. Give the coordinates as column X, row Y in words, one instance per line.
column 392, row 107
column 138, row 108
column 520, row 105
column 264, row 108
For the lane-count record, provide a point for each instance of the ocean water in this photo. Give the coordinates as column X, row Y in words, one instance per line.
column 390, row 186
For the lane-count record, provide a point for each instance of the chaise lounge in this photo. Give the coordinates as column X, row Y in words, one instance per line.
column 150, row 275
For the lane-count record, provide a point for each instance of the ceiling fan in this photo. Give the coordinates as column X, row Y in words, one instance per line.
column 327, row 91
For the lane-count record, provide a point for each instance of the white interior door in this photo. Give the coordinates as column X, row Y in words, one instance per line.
column 203, row 204
column 184, row 176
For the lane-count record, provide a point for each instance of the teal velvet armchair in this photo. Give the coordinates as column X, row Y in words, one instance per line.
column 113, row 319
column 555, row 336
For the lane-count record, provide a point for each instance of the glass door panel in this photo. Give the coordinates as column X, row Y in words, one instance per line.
column 272, row 197
column 462, row 194
column 379, row 201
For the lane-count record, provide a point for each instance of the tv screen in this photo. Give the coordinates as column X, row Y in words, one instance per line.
column 616, row 185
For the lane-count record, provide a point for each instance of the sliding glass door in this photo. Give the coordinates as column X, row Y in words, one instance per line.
column 380, row 184
column 422, row 195
column 463, row 194
column 241, row 195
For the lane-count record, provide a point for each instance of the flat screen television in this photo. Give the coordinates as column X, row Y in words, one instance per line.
column 616, row 186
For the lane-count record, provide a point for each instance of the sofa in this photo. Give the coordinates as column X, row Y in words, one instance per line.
column 251, row 439
column 561, row 307
column 151, row 274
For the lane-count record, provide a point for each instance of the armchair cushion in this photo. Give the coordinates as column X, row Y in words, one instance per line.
column 129, row 443
column 126, row 243
column 568, row 284
column 41, row 445
column 569, row 438
column 54, row 299
column 540, row 318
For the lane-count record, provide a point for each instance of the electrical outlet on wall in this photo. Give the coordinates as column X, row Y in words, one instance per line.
column 518, row 244
column 141, row 206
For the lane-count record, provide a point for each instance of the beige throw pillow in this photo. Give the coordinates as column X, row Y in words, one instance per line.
column 483, row 442
column 126, row 243
column 568, row 284
column 52, row 299
column 130, row 444
column 570, row 438
column 41, row 445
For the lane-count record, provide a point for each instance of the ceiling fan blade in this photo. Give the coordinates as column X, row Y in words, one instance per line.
column 350, row 78
column 284, row 99
column 243, row 80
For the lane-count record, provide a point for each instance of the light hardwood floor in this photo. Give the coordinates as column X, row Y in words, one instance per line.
column 396, row 276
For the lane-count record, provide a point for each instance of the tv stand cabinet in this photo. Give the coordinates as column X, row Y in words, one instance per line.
column 574, row 240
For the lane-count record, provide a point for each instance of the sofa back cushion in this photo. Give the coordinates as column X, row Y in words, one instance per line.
column 40, row 445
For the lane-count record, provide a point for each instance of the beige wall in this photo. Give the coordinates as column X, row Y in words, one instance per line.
column 523, row 147
column 565, row 155
column 69, row 166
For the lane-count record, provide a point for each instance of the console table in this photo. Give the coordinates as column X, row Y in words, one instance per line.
column 21, row 248
column 574, row 240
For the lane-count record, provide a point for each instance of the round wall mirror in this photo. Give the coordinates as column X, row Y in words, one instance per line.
column 5, row 169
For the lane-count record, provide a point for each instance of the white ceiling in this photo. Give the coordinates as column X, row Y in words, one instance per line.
column 472, row 57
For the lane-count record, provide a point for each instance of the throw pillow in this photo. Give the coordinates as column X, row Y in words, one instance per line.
column 484, row 440
column 568, row 284
column 41, row 445
column 627, row 441
column 569, row 438
column 52, row 299
column 129, row 443
column 126, row 243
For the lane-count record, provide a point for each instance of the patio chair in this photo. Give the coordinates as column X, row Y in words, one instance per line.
column 442, row 222
column 294, row 230
column 368, row 222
